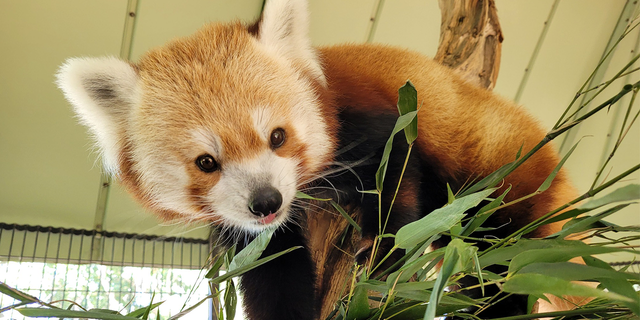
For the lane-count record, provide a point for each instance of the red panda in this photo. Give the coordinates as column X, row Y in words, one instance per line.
column 226, row 125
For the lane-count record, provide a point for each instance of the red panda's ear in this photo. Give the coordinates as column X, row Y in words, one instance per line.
column 284, row 29
column 102, row 91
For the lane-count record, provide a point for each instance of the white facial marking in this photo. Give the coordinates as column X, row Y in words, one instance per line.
column 230, row 197
column 263, row 122
column 208, row 142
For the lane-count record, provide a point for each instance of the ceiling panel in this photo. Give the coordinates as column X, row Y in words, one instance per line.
column 159, row 21
column 572, row 48
column 339, row 21
column 47, row 174
column 413, row 24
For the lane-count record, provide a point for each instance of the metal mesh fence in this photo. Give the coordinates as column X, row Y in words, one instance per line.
column 106, row 270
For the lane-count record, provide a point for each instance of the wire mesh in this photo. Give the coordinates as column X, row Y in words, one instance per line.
column 106, row 270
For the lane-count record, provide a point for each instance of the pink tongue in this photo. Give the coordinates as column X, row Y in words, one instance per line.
column 268, row 219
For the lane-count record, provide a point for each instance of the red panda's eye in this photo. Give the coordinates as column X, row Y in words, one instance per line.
column 277, row 138
column 206, row 163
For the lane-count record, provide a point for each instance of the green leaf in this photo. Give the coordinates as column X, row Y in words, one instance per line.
column 16, row 294
column 230, row 300
column 476, row 262
column 557, row 254
column 302, row 195
column 627, row 193
column 502, row 255
column 346, row 216
column 413, row 286
column 619, row 286
column 240, row 270
column 61, row 313
column 408, row 102
column 538, row 284
column 187, row 310
column 410, row 268
column 450, row 196
column 574, row 272
column 450, row 266
column 585, row 223
column 373, row 285
column 142, row 311
column 489, row 181
column 359, row 304
column 146, row 313
column 483, row 214
column 216, row 265
column 438, row 221
column 252, row 251
column 402, row 122
column 547, row 182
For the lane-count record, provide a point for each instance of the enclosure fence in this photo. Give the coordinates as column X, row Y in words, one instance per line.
column 105, row 270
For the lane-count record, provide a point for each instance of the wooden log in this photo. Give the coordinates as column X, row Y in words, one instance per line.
column 471, row 40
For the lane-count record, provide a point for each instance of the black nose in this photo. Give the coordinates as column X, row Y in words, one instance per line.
column 265, row 201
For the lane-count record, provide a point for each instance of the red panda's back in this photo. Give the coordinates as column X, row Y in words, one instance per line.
column 465, row 130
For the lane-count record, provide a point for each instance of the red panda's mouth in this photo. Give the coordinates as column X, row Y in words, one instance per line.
column 268, row 219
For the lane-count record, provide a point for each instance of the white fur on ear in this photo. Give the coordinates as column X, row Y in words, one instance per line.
column 102, row 92
column 284, row 29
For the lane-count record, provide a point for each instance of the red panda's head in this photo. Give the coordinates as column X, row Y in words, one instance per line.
column 222, row 126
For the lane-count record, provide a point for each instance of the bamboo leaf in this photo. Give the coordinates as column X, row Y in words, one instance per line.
column 252, row 251
column 359, row 304
column 346, row 216
column 240, row 270
column 230, row 300
column 489, row 181
column 302, row 195
column 413, row 286
column 547, row 182
column 216, row 265
column 16, row 294
column 408, row 102
column 557, row 254
column 585, row 223
column 146, row 313
column 439, row 220
column 619, row 286
column 483, row 214
column 402, row 122
column 61, row 313
column 538, row 284
column 373, row 285
column 476, row 262
column 502, row 255
column 411, row 267
column 627, row 193
column 187, row 310
column 450, row 196
column 575, row 272
column 142, row 311
column 450, row 265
